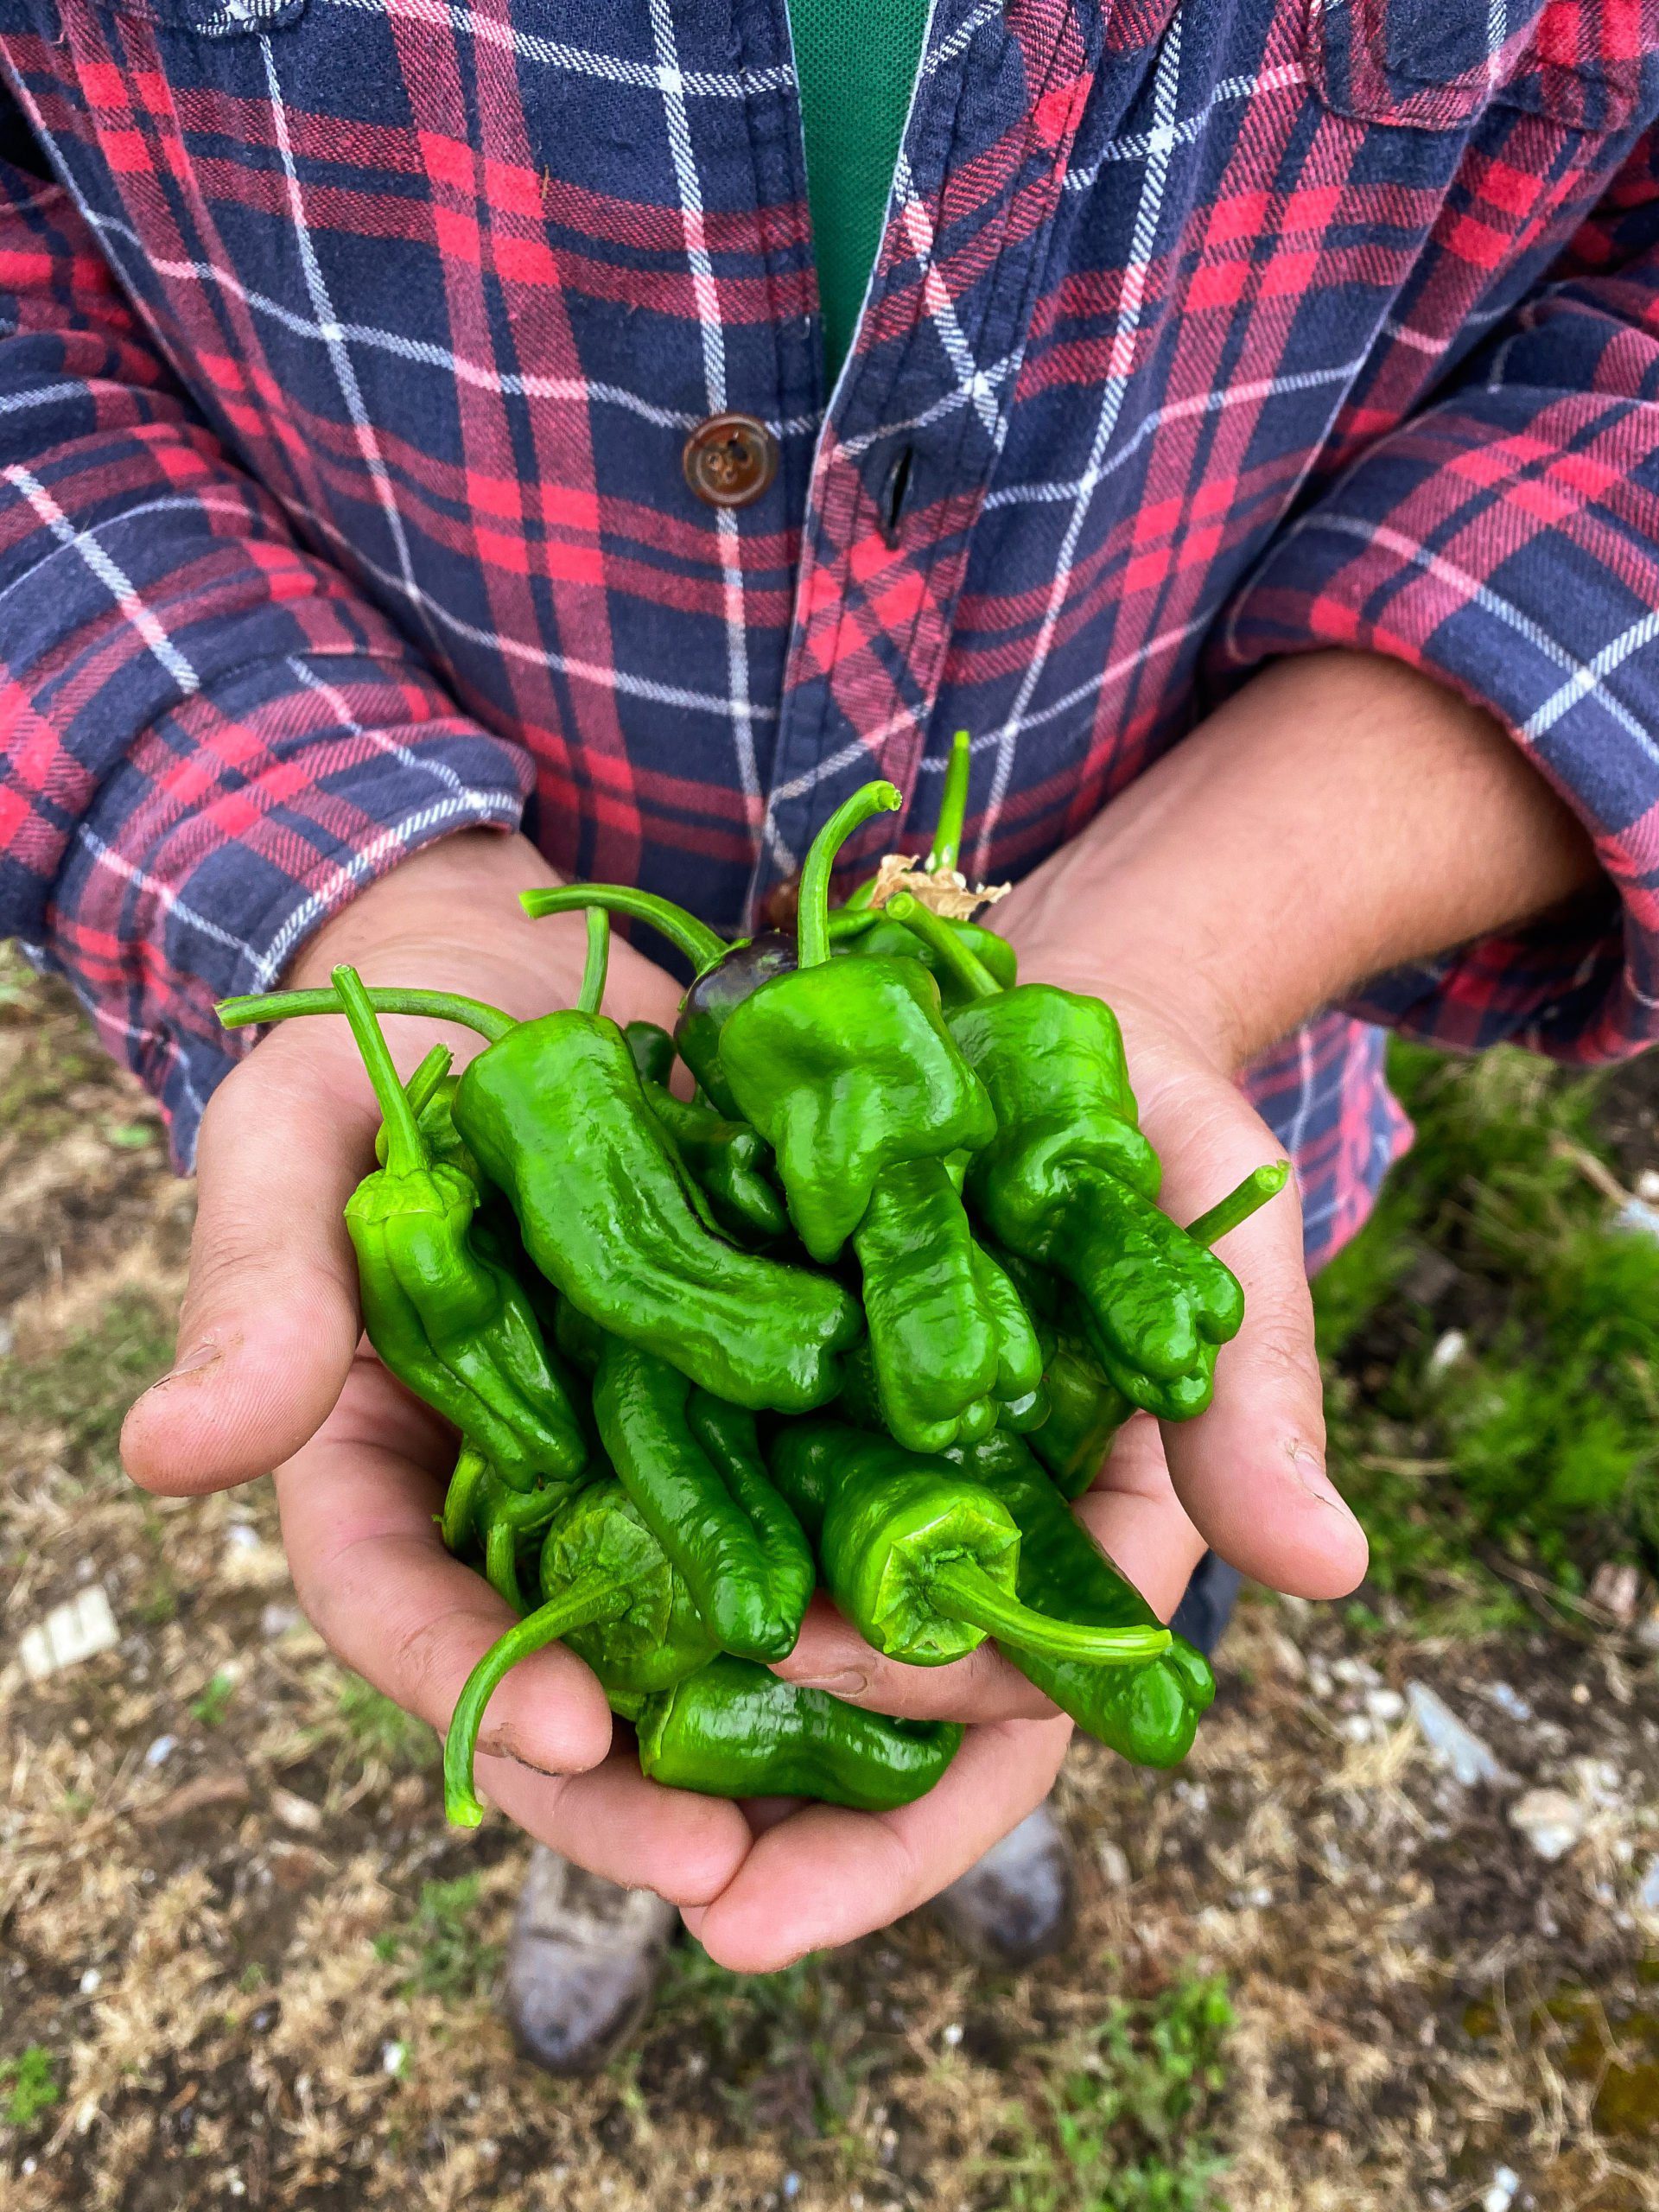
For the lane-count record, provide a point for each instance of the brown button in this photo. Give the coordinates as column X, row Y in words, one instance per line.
column 730, row 459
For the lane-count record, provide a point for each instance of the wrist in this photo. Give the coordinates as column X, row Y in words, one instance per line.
column 1340, row 815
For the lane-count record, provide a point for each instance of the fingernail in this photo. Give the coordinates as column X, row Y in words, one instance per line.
column 189, row 1363
column 1309, row 1467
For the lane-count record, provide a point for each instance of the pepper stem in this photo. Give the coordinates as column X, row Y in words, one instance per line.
column 591, row 996
column 1258, row 1186
column 406, row 1152
column 595, row 1597
column 964, row 1591
column 946, row 849
column 461, row 1499
column 422, row 1086
column 812, row 923
column 436, row 1006
column 501, row 1562
column 961, row 960
column 701, row 946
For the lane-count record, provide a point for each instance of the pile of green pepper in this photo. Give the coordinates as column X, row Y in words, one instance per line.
column 862, row 1313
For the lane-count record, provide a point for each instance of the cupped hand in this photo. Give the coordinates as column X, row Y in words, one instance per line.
column 270, row 1374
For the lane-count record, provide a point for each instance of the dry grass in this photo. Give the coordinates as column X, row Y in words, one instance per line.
column 259, row 1968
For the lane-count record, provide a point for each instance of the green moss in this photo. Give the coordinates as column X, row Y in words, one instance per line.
column 84, row 1388
column 28, row 2086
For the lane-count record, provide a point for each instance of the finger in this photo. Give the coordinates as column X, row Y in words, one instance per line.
column 269, row 1320
column 687, row 1847
column 1251, row 1471
column 832, row 1656
column 827, row 1875
column 386, row 1598
column 1132, row 1513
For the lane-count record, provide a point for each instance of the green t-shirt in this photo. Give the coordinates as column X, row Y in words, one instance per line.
column 856, row 61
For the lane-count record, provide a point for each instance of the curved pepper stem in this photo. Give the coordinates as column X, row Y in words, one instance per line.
column 461, row 1499
column 594, row 1597
column 965, row 1593
column 812, row 923
column 394, row 998
column 422, row 1086
column 406, row 1148
column 957, row 958
column 946, row 850
column 1258, row 1186
column 701, row 946
column 591, row 996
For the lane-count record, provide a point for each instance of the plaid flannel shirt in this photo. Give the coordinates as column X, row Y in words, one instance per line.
column 348, row 348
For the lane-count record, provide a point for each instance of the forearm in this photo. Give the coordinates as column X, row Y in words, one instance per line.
column 1340, row 815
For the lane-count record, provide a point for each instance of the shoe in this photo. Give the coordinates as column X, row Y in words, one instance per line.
column 583, row 1965
column 1017, row 1904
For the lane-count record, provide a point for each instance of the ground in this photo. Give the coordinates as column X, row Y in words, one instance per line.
column 243, row 1963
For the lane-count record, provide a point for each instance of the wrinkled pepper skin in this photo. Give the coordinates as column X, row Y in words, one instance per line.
column 556, row 1116
column 845, row 1074
column 728, row 1160
column 716, row 1513
column 1069, row 1182
column 922, row 1560
column 733, row 1730
column 933, row 1337
column 662, row 1638
column 1149, row 1713
column 480, row 1512
column 447, row 1322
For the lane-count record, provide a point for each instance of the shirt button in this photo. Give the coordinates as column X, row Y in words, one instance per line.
column 730, row 459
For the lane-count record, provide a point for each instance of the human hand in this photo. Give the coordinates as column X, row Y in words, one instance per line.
column 271, row 1373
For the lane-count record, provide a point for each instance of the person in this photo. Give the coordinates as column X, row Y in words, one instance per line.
column 444, row 449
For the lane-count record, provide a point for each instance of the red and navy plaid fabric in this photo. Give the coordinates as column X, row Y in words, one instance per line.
column 347, row 348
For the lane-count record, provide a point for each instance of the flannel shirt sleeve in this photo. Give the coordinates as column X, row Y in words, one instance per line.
column 1505, row 539
column 209, row 740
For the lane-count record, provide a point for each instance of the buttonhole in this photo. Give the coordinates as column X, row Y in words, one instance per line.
column 895, row 494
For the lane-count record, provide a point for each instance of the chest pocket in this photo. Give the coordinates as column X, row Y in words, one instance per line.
column 1434, row 64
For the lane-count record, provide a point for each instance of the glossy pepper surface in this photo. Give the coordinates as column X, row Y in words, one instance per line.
column 846, row 1068
column 922, row 1560
column 733, row 1730
column 555, row 1113
column 447, row 1322
column 692, row 1468
column 1149, row 1713
column 661, row 1637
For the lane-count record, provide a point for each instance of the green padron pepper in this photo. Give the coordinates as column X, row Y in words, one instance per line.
column 733, row 1730
column 555, row 1114
column 1069, row 1182
column 922, row 1560
column 609, row 1590
column 692, row 1467
column 480, row 1512
column 848, row 1068
column 726, row 1159
column 445, row 1321
column 1149, row 1713
column 652, row 1050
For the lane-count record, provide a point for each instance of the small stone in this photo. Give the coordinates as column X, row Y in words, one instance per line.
column 76, row 1631
column 241, row 1536
column 1509, row 1699
column 1580, row 1693
column 394, row 2057
column 1505, row 2187
column 1646, row 1185
column 295, row 1812
column 1448, row 1350
column 89, row 1982
column 1357, row 1728
column 1647, row 1894
column 276, row 1620
column 791, row 2187
column 1450, row 1745
column 1386, row 1706
column 1551, row 1822
column 953, row 2034
column 160, row 1750
column 1114, row 1862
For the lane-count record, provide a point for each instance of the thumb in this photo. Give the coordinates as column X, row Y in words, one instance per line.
column 269, row 1325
